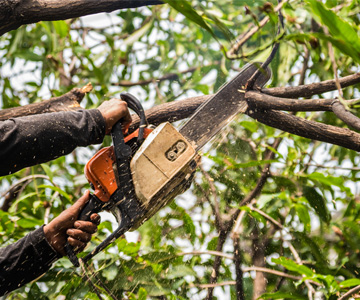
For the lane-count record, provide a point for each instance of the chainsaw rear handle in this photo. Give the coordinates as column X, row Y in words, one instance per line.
column 94, row 205
column 122, row 155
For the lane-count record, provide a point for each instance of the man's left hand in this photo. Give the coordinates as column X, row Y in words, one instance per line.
column 66, row 227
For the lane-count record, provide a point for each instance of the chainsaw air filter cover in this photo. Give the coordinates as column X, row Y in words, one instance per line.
column 163, row 162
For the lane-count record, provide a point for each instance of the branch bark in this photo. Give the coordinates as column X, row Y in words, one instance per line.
column 14, row 13
column 66, row 102
column 181, row 109
column 308, row 129
column 308, row 90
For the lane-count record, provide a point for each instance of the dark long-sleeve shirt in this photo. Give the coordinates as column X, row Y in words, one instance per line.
column 25, row 260
column 28, row 141
column 32, row 140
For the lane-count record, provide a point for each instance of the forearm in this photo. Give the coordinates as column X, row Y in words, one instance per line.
column 25, row 260
column 31, row 140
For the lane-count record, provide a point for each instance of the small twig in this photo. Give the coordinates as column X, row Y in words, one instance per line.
column 305, row 66
column 212, row 285
column 240, row 295
column 296, row 255
column 98, row 281
column 216, row 200
column 48, row 208
column 209, row 252
column 242, row 39
column 334, row 66
column 88, row 279
column 170, row 76
column 333, row 167
column 271, row 219
column 349, row 294
column 217, row 263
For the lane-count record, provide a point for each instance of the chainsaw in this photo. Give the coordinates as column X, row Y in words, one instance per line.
column 140, row 173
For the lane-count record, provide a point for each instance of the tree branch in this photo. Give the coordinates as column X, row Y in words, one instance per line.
column 350, row 293
column 309, row 90
column 66, row 102
column 308, row 129
column 263, row 101
column 14, row 13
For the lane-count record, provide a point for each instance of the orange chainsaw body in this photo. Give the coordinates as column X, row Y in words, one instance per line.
column 99, row 170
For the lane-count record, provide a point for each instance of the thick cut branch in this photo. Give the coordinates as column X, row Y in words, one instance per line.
column 66, row 102
column 14, row 13
column 181, row 109
column 309, row 90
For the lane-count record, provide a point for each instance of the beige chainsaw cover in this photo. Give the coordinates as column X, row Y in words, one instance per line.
column 161, row 168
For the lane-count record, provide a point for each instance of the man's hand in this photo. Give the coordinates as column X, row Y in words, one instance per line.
column 113, row 110
column 66, row 227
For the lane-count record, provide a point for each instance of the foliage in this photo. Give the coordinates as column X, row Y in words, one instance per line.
column 312, row 191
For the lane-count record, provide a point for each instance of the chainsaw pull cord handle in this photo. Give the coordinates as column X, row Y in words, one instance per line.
column 122, row 154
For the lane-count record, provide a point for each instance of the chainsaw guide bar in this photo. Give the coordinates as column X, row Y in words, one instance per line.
column 218, row 111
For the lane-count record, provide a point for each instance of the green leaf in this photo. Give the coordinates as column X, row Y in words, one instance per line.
column 293, row 266
column 48, row 172
column 29, row 223
column 328, row 180
column 338, row 27
column 317, row 202
column 185, row 8
column 56, row 189
column 61, row 28
column 303, row 214
column 189, row 226
column 338, row 43
column 142, row 294
column 350, row 282
column 223, row 28
column 251, row 126
column 180, row 271
column 135, row 36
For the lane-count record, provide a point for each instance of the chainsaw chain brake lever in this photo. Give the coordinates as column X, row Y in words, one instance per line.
column 123, row 201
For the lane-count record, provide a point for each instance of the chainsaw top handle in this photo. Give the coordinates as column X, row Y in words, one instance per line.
column 134, row 104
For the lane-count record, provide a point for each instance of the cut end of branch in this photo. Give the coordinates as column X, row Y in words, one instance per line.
column 87, row 88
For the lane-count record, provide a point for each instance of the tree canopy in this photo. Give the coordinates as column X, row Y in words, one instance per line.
column 274, row 209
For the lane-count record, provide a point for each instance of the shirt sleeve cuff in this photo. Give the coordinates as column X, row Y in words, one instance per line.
column 44, row 249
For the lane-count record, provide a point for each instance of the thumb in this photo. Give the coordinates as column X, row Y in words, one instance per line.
column 80, row 203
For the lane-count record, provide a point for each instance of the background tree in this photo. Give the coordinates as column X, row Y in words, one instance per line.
column 270, row 214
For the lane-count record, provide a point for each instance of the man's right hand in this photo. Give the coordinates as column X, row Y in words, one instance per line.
column 113, row 110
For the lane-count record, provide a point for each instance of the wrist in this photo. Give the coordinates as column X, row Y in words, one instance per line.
column 53, row 238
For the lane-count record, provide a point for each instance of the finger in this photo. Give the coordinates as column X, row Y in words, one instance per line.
column 127, row 118
column 95, row 218
column 86, row 226
column 76, row 244
column 80, row 203
column 79, row 235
